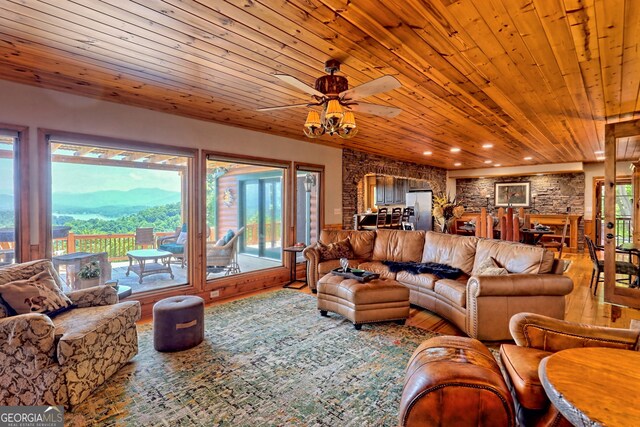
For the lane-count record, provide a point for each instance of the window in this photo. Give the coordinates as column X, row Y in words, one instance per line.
column 244, row 214
column 8, row 196
column 308, row 205
column 121, row 207
column 624, row 209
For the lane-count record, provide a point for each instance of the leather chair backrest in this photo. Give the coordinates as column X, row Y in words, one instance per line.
column 398, row 245
column 361, row 241
column 515, row 257
column 450, row 249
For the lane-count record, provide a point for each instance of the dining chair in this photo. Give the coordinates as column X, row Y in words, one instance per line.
column 381, row 220
column 396, row 218
column 622, row 267
column 553, row 244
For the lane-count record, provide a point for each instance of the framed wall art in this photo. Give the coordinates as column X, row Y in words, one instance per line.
column 513, row 194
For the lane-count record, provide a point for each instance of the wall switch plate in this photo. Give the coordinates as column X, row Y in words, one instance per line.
column 214, row 294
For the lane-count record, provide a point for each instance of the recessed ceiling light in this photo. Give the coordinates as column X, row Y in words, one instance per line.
column 457, row 164
column 528, row 158
column 488, row 161
column 600, row 158
column 487, row 145
column 455, row 150
column 427, row 153
column 599, row 152
column 497, row 165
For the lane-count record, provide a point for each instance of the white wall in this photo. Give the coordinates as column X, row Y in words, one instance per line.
column 40, row 108
column 591, row 170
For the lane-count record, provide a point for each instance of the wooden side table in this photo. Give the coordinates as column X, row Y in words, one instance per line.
column 294, row 251
column 594, row 386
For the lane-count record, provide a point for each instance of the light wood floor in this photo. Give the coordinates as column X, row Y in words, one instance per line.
column 582, row 305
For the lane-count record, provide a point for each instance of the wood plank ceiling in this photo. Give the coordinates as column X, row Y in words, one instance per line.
column 535, row 78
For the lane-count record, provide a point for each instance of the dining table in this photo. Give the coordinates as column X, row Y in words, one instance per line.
column 532, row 236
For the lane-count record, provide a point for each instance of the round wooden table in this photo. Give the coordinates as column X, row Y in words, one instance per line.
column 594, row 386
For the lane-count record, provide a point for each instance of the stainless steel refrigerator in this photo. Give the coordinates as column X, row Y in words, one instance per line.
column 422, row 204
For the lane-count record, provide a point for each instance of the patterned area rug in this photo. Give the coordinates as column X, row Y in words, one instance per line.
column 266, row 360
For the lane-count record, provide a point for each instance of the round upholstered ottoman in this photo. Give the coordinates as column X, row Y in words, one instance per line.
column 178, row 323
column 455, row 381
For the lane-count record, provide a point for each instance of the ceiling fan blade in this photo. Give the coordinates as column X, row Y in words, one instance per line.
column 282, row 107
column 378, row 110
column 292, row 81
column 379, row 85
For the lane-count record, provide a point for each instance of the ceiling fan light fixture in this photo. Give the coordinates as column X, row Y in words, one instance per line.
column 313, row 125
column 334, row 110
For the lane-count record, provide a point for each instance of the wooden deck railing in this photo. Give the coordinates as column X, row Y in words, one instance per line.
column 116, row 245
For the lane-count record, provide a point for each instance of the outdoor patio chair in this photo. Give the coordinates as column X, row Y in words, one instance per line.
column 224, row 257
column 175, row 244
column 144, row 237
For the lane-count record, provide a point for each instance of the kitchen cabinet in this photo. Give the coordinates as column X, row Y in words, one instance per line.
column 390, row 190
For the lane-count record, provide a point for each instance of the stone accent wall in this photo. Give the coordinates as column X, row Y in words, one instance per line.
column 357, row 164
column 553, row 194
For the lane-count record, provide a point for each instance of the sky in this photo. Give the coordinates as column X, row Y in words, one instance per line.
column 76, row 178
column 6, row 176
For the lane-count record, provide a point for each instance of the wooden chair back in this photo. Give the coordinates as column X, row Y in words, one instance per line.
column 381, row 220
column 396, row 218
column 144, row 237
column 564, row 236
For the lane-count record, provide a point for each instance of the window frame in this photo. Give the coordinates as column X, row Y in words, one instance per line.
column 257, row 277
column 21, row 199
column 192, row 202
column 307, row 167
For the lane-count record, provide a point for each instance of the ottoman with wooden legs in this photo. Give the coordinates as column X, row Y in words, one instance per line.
column 379, row 300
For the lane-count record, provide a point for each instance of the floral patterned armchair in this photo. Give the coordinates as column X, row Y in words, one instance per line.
column 61, row 360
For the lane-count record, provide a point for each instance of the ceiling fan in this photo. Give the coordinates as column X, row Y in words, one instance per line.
column 338, row 102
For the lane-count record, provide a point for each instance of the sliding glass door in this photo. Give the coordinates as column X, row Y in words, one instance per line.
column 261, row 213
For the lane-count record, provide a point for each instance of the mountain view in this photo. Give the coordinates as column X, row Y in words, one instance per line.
column 110, row 211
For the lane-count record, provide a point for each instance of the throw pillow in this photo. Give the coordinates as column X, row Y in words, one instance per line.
column 182, row 237
column 220, row 242
column 38, row 294
column 490, row 267
column 337, row 250
column 228, row 236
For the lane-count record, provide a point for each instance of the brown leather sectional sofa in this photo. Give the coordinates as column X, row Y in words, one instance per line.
column 479, row 305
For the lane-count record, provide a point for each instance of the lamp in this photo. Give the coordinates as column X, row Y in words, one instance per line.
column 334, row 120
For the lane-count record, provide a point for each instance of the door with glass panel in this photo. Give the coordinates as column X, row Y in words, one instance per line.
column 308, row 207
column 8, row 249
column 261, row 214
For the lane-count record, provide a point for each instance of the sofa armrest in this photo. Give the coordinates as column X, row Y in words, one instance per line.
column 28, row 342
column 549, row 334
column 94, row 296
column 519, row 285
column 312, row 256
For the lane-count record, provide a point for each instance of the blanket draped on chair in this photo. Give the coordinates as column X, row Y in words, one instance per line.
column 441, row 271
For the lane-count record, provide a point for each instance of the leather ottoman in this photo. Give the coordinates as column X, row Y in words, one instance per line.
column 178, row 323
column 455, row 381
column 378, row 300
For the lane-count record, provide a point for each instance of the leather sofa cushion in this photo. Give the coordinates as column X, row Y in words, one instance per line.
column 361, row 241
column 424, row 281
column 453, row 291
column 515, row 257
column 325, row 267
column 398, row 245
column 378, row 267
column 450, row 249
column 521, row 364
